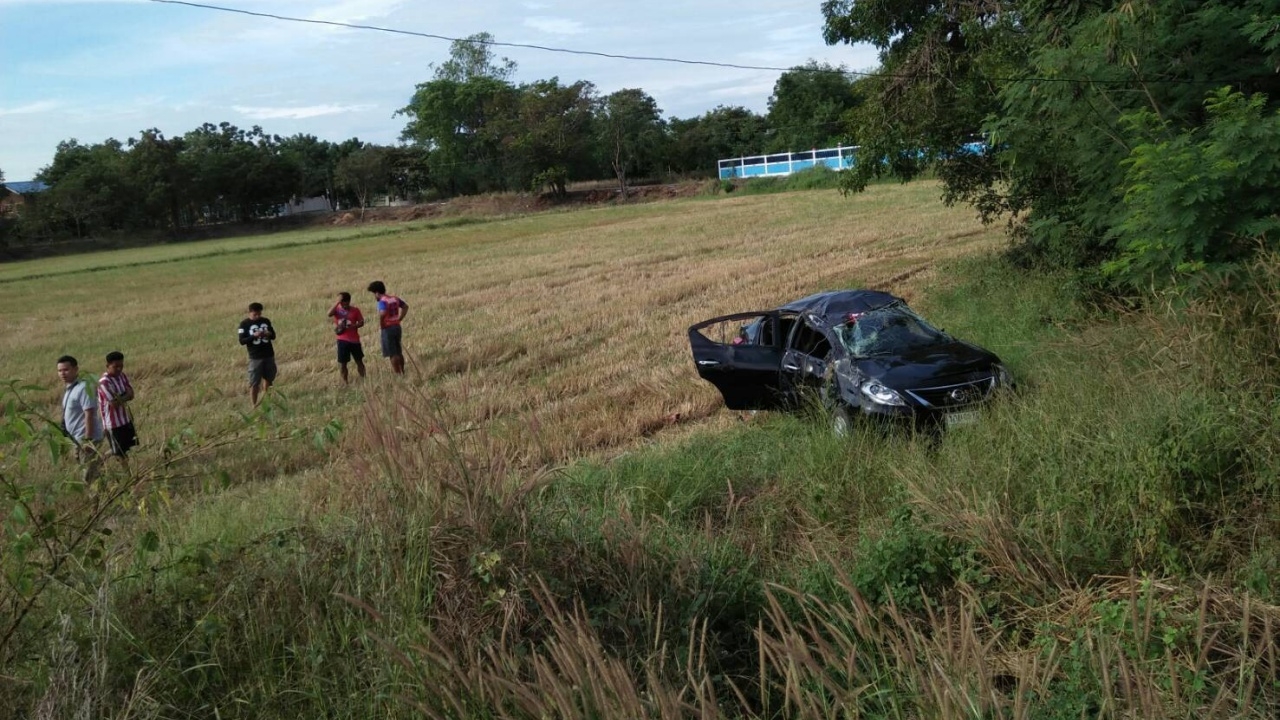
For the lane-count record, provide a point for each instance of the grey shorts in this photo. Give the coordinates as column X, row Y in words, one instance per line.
column 391, row 341
column 262, row 369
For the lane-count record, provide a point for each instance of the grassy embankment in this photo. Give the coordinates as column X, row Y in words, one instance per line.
column 1104, row 544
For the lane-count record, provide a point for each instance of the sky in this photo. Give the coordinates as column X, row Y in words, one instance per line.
column 97, row 69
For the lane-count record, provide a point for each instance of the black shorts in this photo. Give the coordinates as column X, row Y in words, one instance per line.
column 391, row 341
column 121, row 439
column 262, row 369
column 348, row 350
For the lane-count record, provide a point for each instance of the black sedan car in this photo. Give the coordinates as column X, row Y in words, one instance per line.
column 864, row 352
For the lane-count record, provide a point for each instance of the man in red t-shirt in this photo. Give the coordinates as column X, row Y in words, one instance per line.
column 391, row 311
column 347, row 321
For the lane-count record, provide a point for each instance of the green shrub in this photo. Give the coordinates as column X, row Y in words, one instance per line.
column 1199, row 203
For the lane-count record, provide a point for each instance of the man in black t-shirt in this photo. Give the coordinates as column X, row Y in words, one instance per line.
column 257, row 334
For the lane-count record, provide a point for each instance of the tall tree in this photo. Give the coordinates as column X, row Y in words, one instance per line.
column 316, row 161
column 237, row 174
column 810, row 108
column 631, row 134
column 365, row 172
column 155, row 163
column 410, row 172
column 450, row 116
column 1065, row 95
column 725, row 132
column 547, row 140
column 472, row 57
column 90, row 188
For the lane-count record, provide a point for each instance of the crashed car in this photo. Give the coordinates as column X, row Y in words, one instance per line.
column 862, row 352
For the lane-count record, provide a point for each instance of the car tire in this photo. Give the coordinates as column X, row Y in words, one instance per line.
column 841, row 421
column 837, row 411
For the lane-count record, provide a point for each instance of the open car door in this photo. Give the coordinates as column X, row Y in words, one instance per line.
column 741, row 355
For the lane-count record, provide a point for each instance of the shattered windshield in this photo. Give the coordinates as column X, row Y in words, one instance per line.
column 888, row 330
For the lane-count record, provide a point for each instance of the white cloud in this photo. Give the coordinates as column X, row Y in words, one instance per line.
column 298, row 113
column 555, row 26
column 30, row 108
column 354, row 11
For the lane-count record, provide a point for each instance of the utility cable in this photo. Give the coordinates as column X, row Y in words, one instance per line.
column 681, row 61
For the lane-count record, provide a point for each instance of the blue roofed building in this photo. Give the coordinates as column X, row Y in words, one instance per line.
column 19, row 195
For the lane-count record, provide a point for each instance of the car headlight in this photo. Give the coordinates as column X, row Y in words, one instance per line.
column 880, row 394
column 1003, row 377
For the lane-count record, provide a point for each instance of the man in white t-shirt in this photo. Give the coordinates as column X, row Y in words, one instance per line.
column 80, row 417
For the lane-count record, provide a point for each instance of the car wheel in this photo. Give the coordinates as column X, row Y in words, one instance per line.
column 841, row 422
column 836, row 409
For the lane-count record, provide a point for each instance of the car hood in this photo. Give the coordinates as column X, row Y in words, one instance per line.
column 929, row 365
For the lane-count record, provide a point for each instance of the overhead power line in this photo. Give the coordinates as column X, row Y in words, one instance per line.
column 495, row 43
column 680, row 61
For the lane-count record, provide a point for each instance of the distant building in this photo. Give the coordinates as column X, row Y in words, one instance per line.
column 298, row 206
column 20, row 195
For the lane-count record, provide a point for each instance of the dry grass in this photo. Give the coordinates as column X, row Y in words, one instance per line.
column 563, row 333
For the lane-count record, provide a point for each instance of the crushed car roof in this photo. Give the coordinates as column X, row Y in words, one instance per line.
column 834, row 306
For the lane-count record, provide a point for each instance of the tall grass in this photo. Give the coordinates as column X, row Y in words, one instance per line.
column 1098, row 546
column 815, row 178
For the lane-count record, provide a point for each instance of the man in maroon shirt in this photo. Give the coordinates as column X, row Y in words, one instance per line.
column 391, row 312
column 347, row 321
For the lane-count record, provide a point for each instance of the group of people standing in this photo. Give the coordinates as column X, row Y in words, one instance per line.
column 93, row 414
column 257, row 334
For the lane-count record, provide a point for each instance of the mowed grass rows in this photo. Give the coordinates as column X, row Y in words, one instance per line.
column 562, row 332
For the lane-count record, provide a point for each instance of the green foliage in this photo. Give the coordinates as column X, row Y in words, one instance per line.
column 1082, row 106
column 472, row 57
column 724, row 132
column 810, row 108
column 546, row 140
column 631, row 134
column 814, row 178
column 1200, row 202
column 364, row 172
column 452, row 119
column 907, row 564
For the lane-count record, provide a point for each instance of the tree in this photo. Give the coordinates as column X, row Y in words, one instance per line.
column 631, row 134
column 90, row 188
column 547, row 140
column 316, row 161
column 164, row 183
column 471, row 58
column 365, row 172
column 697, row 144
column 450, row 117
column 810, row 108
column 237, row 174
column 410, row 173
column 1059, row 92
column 933, row 91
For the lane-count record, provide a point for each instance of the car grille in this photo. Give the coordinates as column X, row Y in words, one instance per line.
column 950, row 396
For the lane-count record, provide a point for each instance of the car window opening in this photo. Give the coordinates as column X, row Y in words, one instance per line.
column 809, row 341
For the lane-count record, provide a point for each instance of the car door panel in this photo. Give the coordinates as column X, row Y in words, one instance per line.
column 804, row 359
column 743, row 365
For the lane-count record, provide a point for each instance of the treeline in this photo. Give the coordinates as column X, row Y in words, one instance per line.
column 213, row 174
column 470, row 129
column 1135, row 141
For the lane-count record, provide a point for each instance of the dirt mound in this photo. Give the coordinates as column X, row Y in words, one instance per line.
column 511, row 203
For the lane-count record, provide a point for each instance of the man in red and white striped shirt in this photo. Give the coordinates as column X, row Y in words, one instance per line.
column 114, row 393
